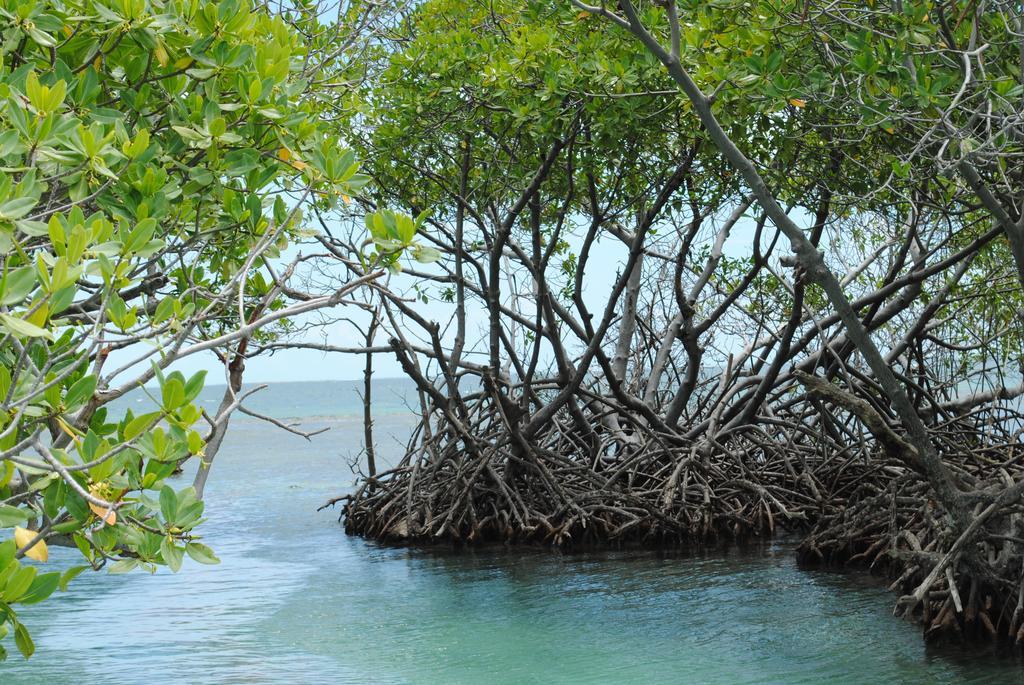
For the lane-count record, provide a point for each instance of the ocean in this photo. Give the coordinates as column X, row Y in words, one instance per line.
column 295, row 600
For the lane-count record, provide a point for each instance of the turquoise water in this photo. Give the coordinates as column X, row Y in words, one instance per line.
column 296, row 601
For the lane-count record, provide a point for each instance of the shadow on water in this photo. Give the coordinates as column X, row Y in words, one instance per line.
column 296, row 601
column 746, row 616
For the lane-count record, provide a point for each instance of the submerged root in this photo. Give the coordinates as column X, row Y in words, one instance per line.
column 563, row 488
column 965, row 586
column 581, row 481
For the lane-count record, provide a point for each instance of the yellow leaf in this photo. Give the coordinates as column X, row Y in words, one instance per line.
column 38, row 551
column 291, row 159
column 347, row 200
column 108, row 516
column 68, row 429
column 39, row 316
column 100, row 490
column 161, row 55
column 890, row 130
column 583, row 15
column 798, row 103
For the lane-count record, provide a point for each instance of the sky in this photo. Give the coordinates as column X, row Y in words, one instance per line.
column 605, row 263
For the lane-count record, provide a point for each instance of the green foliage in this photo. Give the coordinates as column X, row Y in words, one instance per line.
column 393, row 234
column 469, row 98
column 882, row 86
column 499, row 82
column 149, row 149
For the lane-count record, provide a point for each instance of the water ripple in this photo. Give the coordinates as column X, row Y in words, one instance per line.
column 295, row 601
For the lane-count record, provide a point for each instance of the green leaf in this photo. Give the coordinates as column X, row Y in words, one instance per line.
column 137, row 425
column 80, row 392
column 168, row 503
column 195, row 442
column 201, row 553
column 164, row 310
column 24, row 641
column 19, row 583
column 240, row 162
column 17, row 208
column 173, row 394
column 47, row 41
column 141, row 235
column 70, row 575
column 12, row 516
column 123, row 566
column 22, row 328
column 405, row 228
column 217, row 127
column 17, row 285
column 42, row 587
column 172, row 554
column 194, row 385
column 5, row 385
column 426, row 254
column 189, row 134
column 8, row 549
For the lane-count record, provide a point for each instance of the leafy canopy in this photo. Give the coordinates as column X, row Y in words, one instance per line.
column 153, row 151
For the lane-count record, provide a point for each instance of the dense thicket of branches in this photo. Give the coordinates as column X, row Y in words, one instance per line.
column 671, row 316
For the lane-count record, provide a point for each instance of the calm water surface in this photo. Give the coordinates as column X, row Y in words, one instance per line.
column 296, row 601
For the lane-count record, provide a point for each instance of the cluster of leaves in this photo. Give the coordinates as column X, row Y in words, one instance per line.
column 877, row 102
column 150, row 150
column 393, row 234
column 472, row 96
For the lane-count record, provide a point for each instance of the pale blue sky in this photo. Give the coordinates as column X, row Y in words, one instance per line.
column 311, row 365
